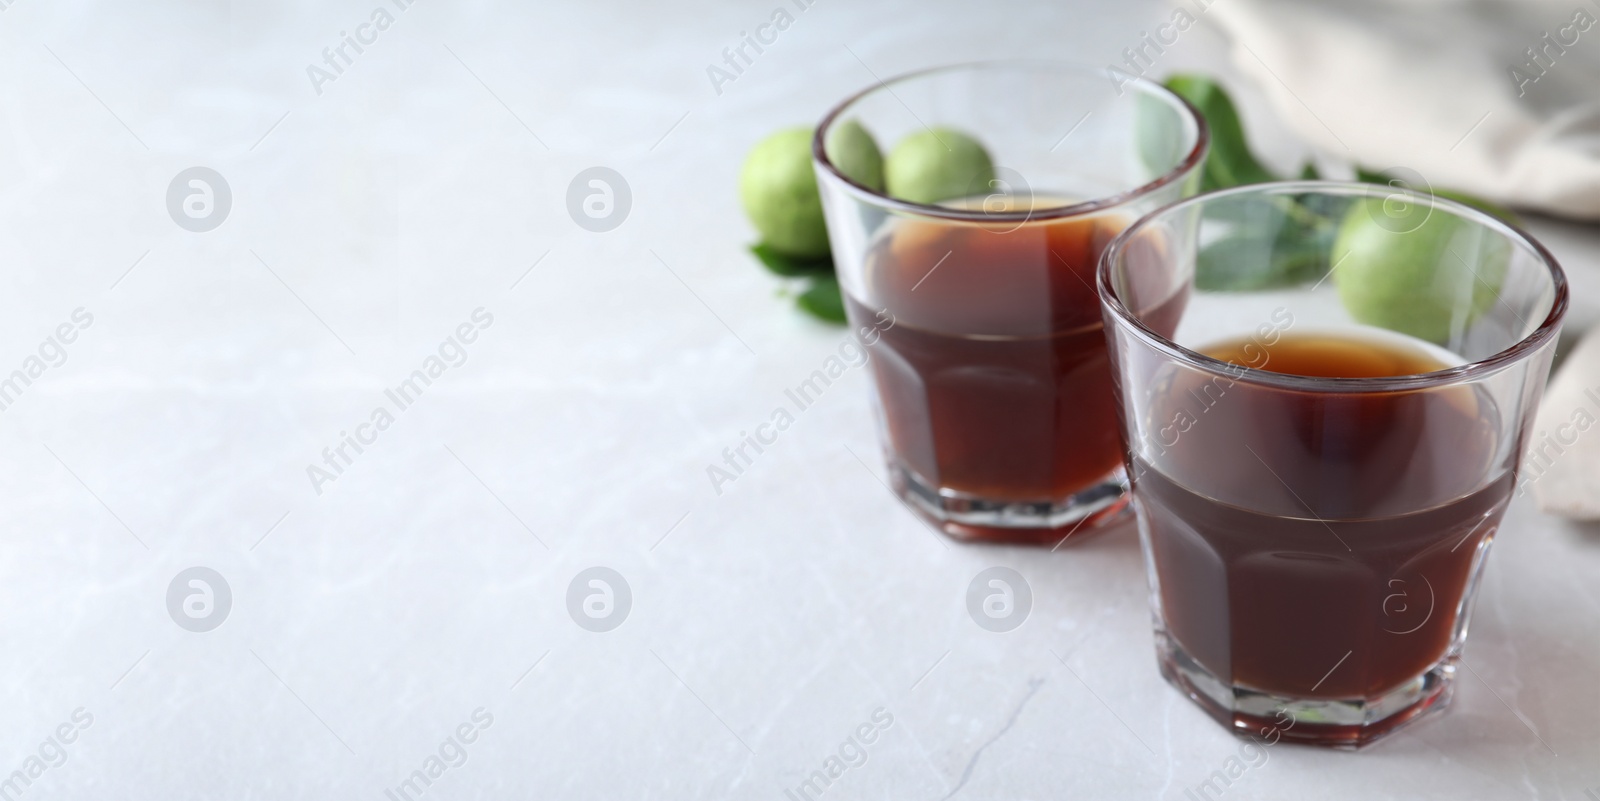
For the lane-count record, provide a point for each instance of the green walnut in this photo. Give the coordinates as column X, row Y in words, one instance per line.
column 779, row 191
column 1427, row 278
column 853, row 150
column 932, row 166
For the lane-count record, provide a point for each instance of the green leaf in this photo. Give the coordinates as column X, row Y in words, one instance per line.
column 1319, row 210
column 1485, row 206
column 1160, row 140
column 1230, row 162
column 1230, row 264
column 1244, row 263
column 1367, row 176
column 789, row 266
column 1269, row 242
column 823, row 299
column 1309, row 172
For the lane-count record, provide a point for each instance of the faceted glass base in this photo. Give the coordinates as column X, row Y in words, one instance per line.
column 1338, row 723
column 1044, row 522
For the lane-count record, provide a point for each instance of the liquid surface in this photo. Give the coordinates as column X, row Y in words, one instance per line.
column 994, row 379
column 1334, row 355
column 1319, row 545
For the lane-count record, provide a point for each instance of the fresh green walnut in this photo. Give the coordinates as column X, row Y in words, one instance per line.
column 779, row 191
column 932, row 166
column 852, row 149
column 1430, row 281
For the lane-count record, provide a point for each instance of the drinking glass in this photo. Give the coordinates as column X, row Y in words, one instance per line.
column 994, row 400
column 1323, row 387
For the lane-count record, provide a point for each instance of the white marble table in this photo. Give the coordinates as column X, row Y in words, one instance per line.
column 419, row 600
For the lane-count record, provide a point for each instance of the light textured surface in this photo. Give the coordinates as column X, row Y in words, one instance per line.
column 371, row 620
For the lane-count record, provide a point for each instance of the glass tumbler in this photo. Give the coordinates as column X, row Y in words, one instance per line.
column 1324, row 388
column 993, row 386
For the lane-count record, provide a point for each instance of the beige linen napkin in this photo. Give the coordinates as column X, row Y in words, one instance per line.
column 1562, row 462
column 1497, row 98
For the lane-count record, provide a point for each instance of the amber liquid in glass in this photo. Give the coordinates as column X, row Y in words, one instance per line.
column 1314, row 544
column 994, row 378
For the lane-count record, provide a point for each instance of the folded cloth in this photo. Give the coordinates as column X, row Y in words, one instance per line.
column 1498, row 98
column 1562, row 463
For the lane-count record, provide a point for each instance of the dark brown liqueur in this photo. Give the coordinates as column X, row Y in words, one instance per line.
column 1316, row 544
column 995, row 380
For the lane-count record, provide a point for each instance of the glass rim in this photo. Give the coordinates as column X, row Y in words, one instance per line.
column 1190, row 162
column 1473, row 370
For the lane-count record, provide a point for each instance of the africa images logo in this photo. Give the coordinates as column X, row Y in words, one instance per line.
column 199, row 599
column 599, row 599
